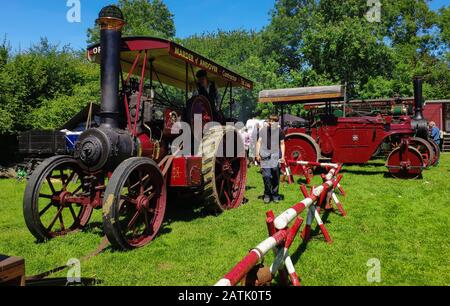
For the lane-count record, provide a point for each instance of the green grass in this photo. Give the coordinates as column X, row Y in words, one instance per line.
column 404, row 224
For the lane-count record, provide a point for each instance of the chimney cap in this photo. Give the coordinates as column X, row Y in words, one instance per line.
column 111, row 11
column 111, row 17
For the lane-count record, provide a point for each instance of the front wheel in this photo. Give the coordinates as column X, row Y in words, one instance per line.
column 405, row 163
column 49, row 206
column 134, row 204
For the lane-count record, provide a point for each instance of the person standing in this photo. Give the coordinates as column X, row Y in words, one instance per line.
column 246, row 139
column 435, row 133
column 254, row 140
column 270, row 152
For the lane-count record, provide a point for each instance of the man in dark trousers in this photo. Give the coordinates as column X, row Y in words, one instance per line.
column 270, row 152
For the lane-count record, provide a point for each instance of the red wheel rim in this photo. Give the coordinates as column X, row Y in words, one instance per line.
column 142, row 206
column 58, row 214
column 230, row 174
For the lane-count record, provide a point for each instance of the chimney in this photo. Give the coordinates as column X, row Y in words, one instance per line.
column 111, row 22
column 418, row 98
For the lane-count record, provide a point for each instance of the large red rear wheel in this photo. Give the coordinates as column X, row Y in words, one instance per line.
column 405, row 163
column 134, row 204
column 224, row 175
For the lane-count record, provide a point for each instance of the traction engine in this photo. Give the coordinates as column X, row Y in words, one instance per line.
column 126, row 166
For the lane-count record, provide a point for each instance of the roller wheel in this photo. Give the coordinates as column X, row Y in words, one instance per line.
column 301, row 147
column 224, row 177
column 134, row 204
column 425, row 148
column 414, row 163
column 437, row 152
column 48, row 207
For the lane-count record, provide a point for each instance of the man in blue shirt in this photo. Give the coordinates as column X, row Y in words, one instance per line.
column 435, row 133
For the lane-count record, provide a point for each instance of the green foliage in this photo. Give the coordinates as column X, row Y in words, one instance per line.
column 42, row 76
column 337, row 43
column 238, row 51
column 144, row 18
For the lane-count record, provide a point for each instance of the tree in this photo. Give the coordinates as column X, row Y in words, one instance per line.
column 334, row 42
column 31, row 81
column 238, row 51
column 144, row 18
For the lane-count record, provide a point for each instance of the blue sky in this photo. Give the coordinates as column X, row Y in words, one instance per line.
column 25, row 21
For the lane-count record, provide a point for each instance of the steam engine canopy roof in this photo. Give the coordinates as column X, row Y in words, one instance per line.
column 169, row 63
column 302, row 95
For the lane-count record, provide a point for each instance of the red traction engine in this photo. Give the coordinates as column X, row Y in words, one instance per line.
column 127, row 165
column 354, row 140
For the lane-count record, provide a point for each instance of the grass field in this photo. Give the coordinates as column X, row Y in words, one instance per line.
column 404, row 224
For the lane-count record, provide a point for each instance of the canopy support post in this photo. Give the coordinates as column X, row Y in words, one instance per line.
column 186, row 94
column 219, row 107
column 231, row 100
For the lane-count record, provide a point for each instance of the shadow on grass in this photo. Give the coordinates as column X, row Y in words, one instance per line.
column 315, row 234
column 62, row 282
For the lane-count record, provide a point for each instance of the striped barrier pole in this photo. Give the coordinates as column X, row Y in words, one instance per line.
column 280, row 242
column 313, row 213
column 289, row 215
column 272, row 231
column 282, row 237
column 255, row 255
column 332, row 197
column 316, row 164
column 282, row 257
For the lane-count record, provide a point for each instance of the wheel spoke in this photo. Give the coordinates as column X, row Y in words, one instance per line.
column 147, row 223
column 78, row 189
column 61, row 171
column 221, row 188
column 228, row 199
column 133, row 220
column 52, row 223
column 129, row 200
column 45, row 196
column 45, row 209
column 50, row 184
column 71, row 176
column 61, row 222
column 148, row 190
column 72, row 212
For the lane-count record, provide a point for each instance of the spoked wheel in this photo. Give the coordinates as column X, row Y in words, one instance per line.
column 134, row 204
column 405, row 163
column 224, row 176
column 437, row 152
column 199, row 106
column 49, row 210
column 425, row 148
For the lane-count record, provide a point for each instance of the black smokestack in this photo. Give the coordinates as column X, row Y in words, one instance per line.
column 418, row 98
column 419, row 124
column 111, row 22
